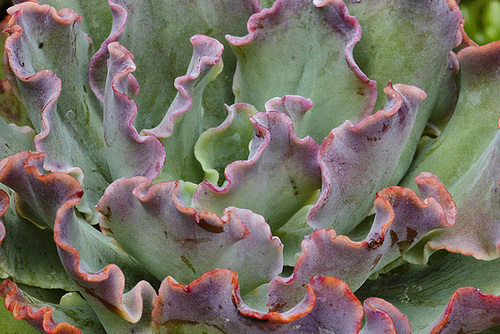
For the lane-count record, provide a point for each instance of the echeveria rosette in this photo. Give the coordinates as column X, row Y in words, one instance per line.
column 188, row 202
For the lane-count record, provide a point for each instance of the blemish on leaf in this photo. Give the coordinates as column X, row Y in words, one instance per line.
column 40, row 45
column 411, row 234
column 394, row 237
column 376, row 261
column 188, row 264
column 107, row 214
column 374, row 244
column 277, row 307
column 294, row 186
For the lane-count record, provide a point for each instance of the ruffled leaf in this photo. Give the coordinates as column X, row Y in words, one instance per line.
column 61, row 106
column 39, row 195
column 411, row 43
column 218, row 147
column 183, row 123
column 128, row 153
column 351, row 152
column 423, row 293
column 13, row 325
column 383, row 317
column 213, row 303
column 402, row 219
column 170, row 23
column 85, row 252
column 469, row 144
column 304, row 47
column 281, row 169
column 50, row 318
column 469, row 310
column 97, row 18
column 169, row 238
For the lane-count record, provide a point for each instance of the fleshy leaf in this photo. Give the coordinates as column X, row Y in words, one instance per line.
column 169, row 238
column 385, row 54
column 474, row 122
column 470, row 144
column 49, row 318
column 63, row 110
column 12, row 325
column 469, row 310
column 83, row 250
column 218, row 147
column 97, row 19
column 281, row 169
column 27, row 254
column 170, row 23
column 422, row 293
column 383, row 317
column 86, row 254
column 128, row 153
column 304, row 47
column 213, row 304
column 14, row 139
column 185, row 115
column 351, row 152
column 39, row 195
column 11, row 109
column 401, row 220
column 294, row 106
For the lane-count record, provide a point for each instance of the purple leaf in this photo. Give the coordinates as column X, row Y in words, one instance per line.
column 383, row 317
column 64, row 112
column 469, row 311
column 351, row 152
column 37, row 315
column 213, row 302
column 169, row 238
column 401, row 220
column 39, row 195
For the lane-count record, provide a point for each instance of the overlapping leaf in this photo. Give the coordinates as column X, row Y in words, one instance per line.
column 171, row 239
column 63, row 110
column 350, row 152
column 281, row 169
column 470, row 143
column 402, row 219
column 417, row 37
column 167, row 24
column 304, row 47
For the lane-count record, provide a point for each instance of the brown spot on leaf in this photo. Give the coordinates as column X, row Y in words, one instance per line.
column 277, row 307
column 411, row 234
column 373, row 139
column 374, row 244
column 394, row 237
column 107, row 214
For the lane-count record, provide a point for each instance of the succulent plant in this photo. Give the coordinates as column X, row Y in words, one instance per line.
column 282, row 163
